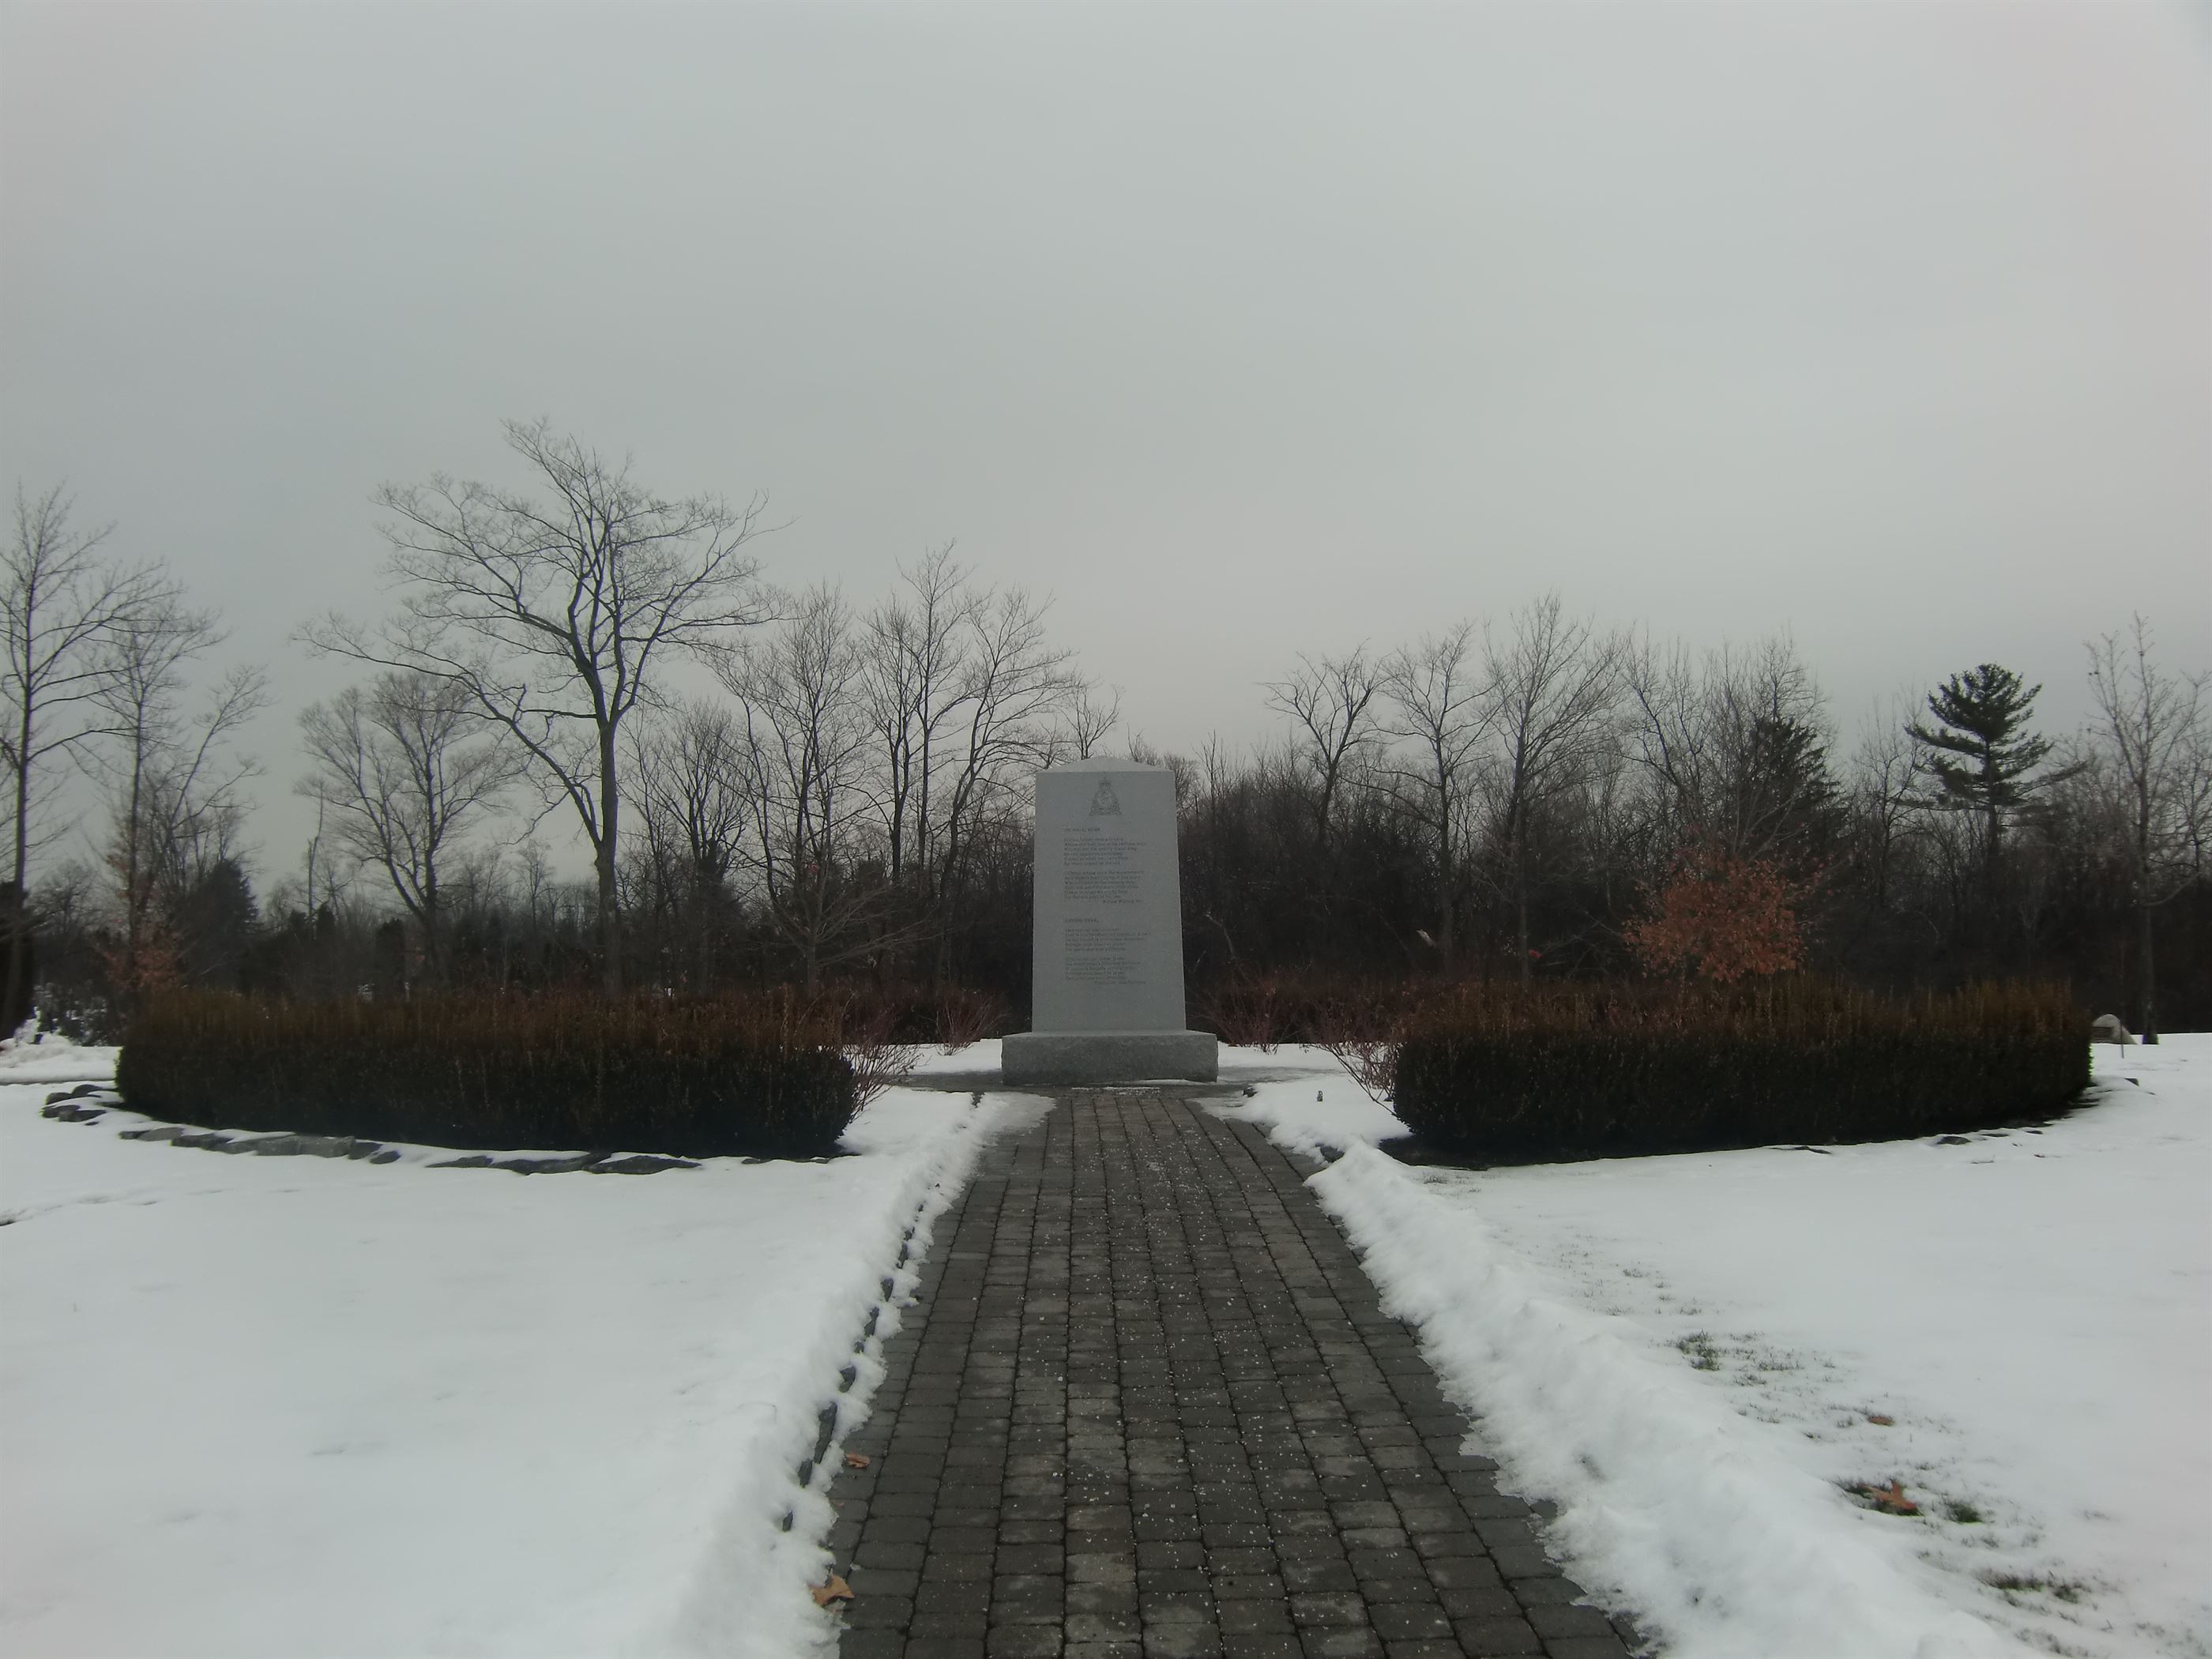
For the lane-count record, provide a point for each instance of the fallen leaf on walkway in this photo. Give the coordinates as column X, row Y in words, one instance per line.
column 836, row 1590
column 856, row 1459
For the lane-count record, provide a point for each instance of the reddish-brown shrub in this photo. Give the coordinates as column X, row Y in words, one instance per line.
column 1722, row 918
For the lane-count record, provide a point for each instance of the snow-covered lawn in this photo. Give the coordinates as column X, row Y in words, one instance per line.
column 291, row 1406
column 302, row 1406
column 1688, row 1354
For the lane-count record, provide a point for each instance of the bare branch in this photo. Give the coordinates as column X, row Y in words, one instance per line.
column 549, row 615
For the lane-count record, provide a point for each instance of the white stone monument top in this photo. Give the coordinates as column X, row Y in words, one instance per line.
column 1107, row 931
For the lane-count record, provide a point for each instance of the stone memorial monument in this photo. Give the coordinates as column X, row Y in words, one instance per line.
column 1107, row 981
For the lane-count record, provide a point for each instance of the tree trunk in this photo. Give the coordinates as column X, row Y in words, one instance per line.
column 1521, row 907
column 433, row 950
column 133, row 908
column 2148, row 1022
column 1444, row 910
column 19, row 901
column 1990, row 878
column 705, row 908
column 610, row 975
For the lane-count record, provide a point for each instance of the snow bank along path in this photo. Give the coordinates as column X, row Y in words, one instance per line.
column 293, row 1407
column 1684, row 1353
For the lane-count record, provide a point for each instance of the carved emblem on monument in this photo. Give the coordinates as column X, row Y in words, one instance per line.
column 1104, row 803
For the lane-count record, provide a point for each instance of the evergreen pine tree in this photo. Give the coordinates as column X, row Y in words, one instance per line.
column 1985, row 758
column 1785, row 800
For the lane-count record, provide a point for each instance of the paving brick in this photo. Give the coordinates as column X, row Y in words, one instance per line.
column 1550, row 1591
column 1554, row 1624
column 1402, row 1620
column 872, row 1644
column 1496, row 1638
column 1325, row 1608
column 1585, row 1647
column 1498, row 1603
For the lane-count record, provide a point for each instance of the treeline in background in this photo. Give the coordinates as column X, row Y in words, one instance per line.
column 793, row 787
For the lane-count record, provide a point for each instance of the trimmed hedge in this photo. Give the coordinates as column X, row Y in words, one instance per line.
column 698, row 1079
column 1608, row 1072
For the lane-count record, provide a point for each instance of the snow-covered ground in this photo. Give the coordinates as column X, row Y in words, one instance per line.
column 303, row 1406
column 1689, row 1355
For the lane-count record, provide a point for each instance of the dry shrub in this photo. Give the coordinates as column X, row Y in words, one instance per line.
column 1372, row 1063
column 1243, row 1010
column 1364, row 1026
column 1361, row 1022
column 867, row 1033
column 966, row 1017
column 919, row 1015
column 1263, row 1011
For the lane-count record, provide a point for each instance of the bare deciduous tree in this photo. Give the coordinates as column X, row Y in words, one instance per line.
column 1888, row 777
column 1556, row 682
column 1331, row 703
column 552, row 616
column 912, row 680
column 1091, row 720
column 1443, row 713
column 1012, row 691
column 808, row 738
column 962, row 692
column 61, row 604
column 2151, row 735
column 399, row 779
column 692, row 770
column 1708, row 734
column 176, row 793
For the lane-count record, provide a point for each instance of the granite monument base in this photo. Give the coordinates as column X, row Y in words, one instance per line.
column 1093, row 1057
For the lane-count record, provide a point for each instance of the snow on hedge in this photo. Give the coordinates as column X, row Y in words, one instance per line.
column 300, row 1406
column 1687, row 1355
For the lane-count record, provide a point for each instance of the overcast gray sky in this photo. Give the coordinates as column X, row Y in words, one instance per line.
column 1242, row 328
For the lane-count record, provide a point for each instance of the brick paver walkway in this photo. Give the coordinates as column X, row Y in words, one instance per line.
column 1147, row 1404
